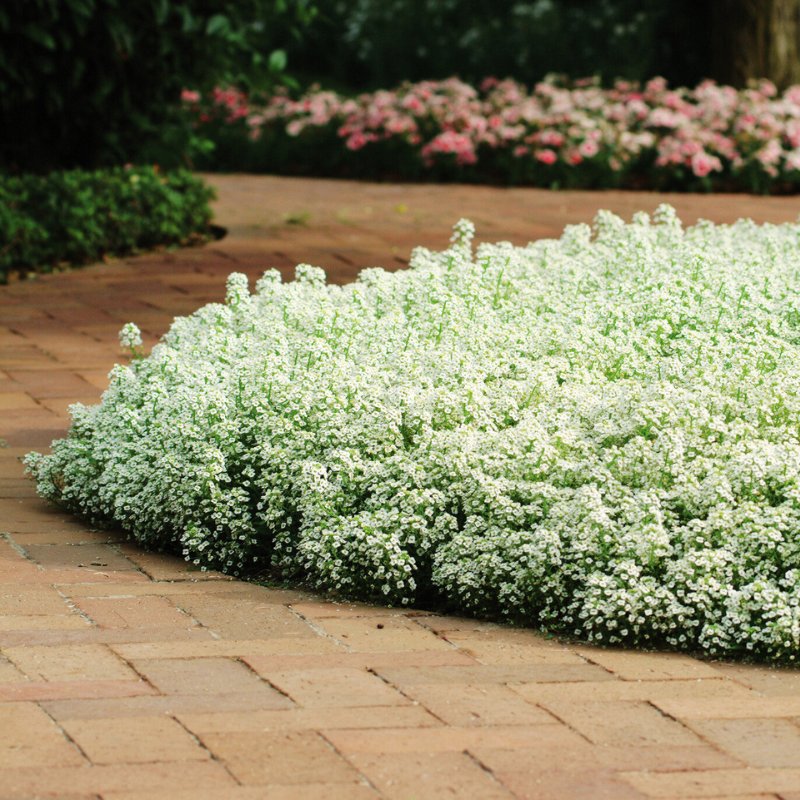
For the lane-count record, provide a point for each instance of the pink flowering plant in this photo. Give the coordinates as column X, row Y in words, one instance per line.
column 554, row 134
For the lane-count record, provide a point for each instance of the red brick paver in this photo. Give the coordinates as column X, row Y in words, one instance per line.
column 127, row 675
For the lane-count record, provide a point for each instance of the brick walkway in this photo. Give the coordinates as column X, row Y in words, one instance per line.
column 126, row 675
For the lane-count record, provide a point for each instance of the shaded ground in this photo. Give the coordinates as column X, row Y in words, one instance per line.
column 126, row 675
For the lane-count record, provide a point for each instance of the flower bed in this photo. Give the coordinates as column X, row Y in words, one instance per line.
column 597, row 435
column 76, row 217
column 708, row 137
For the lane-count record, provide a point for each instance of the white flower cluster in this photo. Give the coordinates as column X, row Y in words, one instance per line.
column 598, row 435
column 130, row 336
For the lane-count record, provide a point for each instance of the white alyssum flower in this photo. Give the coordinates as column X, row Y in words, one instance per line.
column 598, row 435
column 130, row 336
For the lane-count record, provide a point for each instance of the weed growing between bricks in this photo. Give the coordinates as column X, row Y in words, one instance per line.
column 595, row 435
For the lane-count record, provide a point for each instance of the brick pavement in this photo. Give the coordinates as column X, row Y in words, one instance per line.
column 126, row 675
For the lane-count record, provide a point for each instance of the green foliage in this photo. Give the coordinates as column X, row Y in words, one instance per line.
column 96, row 82
column 374, row 43
column 77, row 217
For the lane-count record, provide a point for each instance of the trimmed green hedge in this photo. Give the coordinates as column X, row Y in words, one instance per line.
column 77, row 217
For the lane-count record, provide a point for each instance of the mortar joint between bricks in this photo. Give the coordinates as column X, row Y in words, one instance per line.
column 680, row 722
column 211, row 754
column 117, row 549
column 65, row 733
column 566, row 724
column 74, row 607
column 246, row 664
column 590, row 660
column 470, row 755
column 343, row 756
column 18, row 548
column 376, row 673
column 319, row 630
column 182, row 610
column 142, row 677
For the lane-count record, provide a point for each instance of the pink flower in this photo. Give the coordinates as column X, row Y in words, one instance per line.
column 691, row 148
column 664, row 118
column 707, row 128
column 703, row 164
column 356, row 141
column 655, row 86
column 458, row 144
column 793, row 131
column 793, row 160
column 546, row 156
column 768, row 88
column 551, row 138
column 770, row 154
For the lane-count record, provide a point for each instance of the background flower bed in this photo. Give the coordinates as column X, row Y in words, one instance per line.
column 76, row 217
column 597, row 435
column 579, row 136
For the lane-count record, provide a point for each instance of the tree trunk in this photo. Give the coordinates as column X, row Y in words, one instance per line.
column 753, row 39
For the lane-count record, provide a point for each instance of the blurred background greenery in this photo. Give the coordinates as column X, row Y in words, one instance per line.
column 368, row 44
column 87, row 83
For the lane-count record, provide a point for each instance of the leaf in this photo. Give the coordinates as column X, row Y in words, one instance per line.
column 81, row 8
column 218, row 25
column 291, row 83
column 162, row 11
column 187, row 19
column 277, row 61
column 41, row 37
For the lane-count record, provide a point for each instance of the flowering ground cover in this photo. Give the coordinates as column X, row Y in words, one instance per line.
column 709, row 137
column 596, row 435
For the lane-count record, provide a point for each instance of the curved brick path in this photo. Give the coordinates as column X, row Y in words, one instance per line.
column 125, row 675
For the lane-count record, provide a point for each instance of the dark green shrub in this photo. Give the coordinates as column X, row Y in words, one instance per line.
column 78, row 217
column 87, row 83
column 374, row 43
